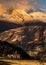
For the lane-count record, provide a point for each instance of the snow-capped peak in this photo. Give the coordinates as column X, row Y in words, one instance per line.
column 20, row 16
column 38, row 16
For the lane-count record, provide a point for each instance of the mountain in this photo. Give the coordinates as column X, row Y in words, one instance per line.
column 13, row 35
column 25, row 30
column 38, row 16
column 15, row 16
column 20, row 16
column 31, row 39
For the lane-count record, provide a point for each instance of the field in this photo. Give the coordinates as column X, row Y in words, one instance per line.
column 4, row 61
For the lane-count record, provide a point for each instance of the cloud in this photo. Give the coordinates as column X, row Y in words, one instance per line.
column 2, row 9
column 43, row 10
column 20, row 4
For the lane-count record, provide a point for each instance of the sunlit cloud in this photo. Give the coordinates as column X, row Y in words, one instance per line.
column 20, row 4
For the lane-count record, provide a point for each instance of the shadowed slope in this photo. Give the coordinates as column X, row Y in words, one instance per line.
column 32, row 39
column 5, row 25
column 10, row 49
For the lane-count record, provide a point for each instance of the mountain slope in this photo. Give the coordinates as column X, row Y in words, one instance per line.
column 38, row 16
column 20, row 17
column 17, row 16
column 15, row 34
column 30, row 35
column 32, row 39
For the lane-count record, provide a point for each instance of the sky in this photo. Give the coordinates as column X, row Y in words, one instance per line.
column 43, row 2
column 24, row 4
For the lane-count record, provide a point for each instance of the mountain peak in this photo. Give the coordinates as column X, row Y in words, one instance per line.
column 16, row 11
column 38, row 16
column 20, row 16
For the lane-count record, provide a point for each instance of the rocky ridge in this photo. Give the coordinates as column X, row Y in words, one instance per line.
column 31, row 39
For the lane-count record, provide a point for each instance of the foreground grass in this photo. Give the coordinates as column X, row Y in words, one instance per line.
column 4, row 61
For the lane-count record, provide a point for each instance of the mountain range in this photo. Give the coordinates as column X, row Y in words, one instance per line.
column 25, row 30
column 20, row 16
